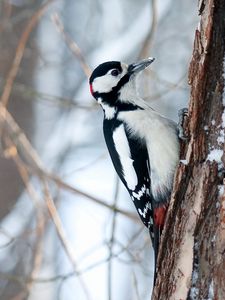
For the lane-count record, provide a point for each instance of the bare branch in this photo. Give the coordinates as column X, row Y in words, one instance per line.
column 62, row 235
column 149, row 39
column 35, row 164
column 40, row 220
column 111, row 242
column 70, row 188
column 20, row 51
column 40, row 223
column 72, row 45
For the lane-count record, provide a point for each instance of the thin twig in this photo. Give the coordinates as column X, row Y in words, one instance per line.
column 72, row 189
column 149, row 39
column 73, row 274
column 7, row 235
column 54, row 215
column 35, row 164
column 169, row 87
column 20, row 51
column 19, row 138
column 71, row 44
column 136, row 286
column 53, row 100
column 111, row 242
column 40, row 220
column 62, row 235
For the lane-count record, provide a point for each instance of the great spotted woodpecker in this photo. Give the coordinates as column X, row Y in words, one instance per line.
column 143, row 144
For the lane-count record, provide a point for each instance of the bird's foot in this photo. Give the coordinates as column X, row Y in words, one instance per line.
column 182, row 114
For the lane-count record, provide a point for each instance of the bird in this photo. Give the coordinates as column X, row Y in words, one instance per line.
column 142, row 143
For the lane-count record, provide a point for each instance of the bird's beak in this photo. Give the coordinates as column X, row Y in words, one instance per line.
column 139, row 66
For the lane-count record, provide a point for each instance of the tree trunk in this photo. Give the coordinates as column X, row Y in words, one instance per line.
column 191, row 263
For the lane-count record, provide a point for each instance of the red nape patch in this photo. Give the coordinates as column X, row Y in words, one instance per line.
column 160, row 215
column 91, row 89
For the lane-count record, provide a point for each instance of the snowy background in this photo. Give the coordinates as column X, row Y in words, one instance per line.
column 112, row 251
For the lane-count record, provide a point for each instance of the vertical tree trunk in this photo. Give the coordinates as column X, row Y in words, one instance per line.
column 191, row 262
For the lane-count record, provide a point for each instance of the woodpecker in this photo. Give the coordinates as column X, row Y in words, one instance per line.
column 143, row 144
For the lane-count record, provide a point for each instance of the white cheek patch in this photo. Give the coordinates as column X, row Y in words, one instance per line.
column 104, row 84
column 123, row 149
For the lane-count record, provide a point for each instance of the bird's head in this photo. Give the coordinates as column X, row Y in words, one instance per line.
column 114, row 81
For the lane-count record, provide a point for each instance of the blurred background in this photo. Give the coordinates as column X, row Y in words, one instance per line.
column 68, row 229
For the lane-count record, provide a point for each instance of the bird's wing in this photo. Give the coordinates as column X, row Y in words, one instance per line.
column 130, row 159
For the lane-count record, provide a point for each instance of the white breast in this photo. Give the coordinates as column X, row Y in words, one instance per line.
column 162, row 144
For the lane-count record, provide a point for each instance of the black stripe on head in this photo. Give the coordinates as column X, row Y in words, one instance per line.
column 102, row 69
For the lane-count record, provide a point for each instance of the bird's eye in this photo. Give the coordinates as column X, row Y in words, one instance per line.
column 115, row 72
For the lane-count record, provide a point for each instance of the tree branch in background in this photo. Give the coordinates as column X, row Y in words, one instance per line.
column 72, row 45
column 34, row 163
column 149, row 39
column 112, row 239
column 20, row 51
column 40, row 220
column 24, row 173
column 62, row 235
column 191, row 260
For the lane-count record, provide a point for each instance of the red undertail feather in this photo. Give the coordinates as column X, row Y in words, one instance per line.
column 160, row 215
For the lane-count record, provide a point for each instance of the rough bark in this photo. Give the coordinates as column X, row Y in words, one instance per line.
column 192, row 251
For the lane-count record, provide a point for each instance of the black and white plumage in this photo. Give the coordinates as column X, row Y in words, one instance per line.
column 143, row 144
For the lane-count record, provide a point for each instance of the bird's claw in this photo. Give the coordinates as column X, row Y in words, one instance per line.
column 182, row 114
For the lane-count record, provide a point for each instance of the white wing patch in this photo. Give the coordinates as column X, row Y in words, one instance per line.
column 123, row 149
column 104, row 84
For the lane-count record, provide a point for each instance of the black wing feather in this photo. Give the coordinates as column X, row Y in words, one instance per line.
column 141, row 195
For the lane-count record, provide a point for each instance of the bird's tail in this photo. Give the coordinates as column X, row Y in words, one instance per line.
column 159, row 220
column 157, row 233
